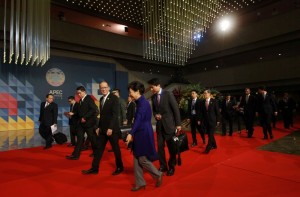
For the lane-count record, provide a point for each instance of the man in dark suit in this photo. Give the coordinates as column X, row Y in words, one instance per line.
column 87, row 122
column 108, row 130
column 48, row 118
column 227, row 111
column 130, row 111
column 166, row 113
column 266, row 107
column 73, row 119
column 210, row 116
column 122, row 103
column 194, row 117
column 248, row 107
column 287, row 106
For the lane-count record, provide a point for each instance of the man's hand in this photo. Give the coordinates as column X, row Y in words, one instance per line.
column 97, row 131
column 109, row 132
column 83, row 120
column 129, row 139
column 178, row 130
column 157, row 117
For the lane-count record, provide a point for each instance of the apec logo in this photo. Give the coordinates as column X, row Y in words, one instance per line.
column 55, row 77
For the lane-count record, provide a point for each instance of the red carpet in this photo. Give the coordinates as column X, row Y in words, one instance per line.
column 236, row 168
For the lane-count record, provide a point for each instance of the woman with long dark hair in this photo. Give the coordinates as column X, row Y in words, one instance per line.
column 142, row 138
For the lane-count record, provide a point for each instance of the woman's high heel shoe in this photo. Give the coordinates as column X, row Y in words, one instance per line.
column 137, row 188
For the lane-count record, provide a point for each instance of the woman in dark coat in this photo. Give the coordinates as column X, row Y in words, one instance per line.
column 142, row 138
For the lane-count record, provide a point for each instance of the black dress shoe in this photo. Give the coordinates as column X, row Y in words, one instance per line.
column 171, row 172
column 137, row 188
column 161, row 169
column 159, row 180
column 207, row 149
column 194, row 144
column 271, row 137
column 47, row 147
column 72, row 157
column 84, row 148
column 214, row 147
column 265, row 138
column 118, row 171
column 90, row 171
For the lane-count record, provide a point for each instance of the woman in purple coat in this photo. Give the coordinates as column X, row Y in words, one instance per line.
column 142, row 138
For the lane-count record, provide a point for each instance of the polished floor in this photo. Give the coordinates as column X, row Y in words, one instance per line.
column 19, row 139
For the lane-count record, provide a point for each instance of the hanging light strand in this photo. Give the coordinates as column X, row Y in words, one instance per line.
column 29, row 40
column 170, row 25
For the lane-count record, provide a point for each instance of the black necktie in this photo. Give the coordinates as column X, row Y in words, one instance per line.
column 158, row 99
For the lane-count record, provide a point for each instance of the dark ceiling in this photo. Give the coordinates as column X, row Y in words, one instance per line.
column 129, row 12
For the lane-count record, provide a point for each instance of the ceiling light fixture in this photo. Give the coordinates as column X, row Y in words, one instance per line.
column 29, row 33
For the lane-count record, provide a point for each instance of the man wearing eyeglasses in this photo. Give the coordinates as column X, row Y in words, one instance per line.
column 73, row 119
column 108, row 130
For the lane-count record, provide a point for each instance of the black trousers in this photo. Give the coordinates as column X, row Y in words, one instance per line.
column 163, row 139
column 265, row 122
column 73, row 134
column 81, row 129
column 102, row 140
column 194, row 127
column 46, row 133
column 225, row 119
column 249, row 122
column 287, row 118
column 211, row 136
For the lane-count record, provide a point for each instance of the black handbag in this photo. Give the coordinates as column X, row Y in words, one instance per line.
column 60, row 138
column 181, row 144
column 124, row 132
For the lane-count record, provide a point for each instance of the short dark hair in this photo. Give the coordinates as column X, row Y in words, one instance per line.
column 81, row 88
column 208, row 91
column 137, row 86
column 154, row 81
column 262, row 88
column 116, row 90
column 71, row 97
column 47, row 95
column 227, row 94
column 194, row 90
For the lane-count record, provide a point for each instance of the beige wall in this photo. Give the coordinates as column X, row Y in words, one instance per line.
column 285, row 71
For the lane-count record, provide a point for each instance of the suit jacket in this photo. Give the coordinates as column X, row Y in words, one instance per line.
column 250, row 106
column 48, row 115
column 130, row 112
column 287, row 105
column 227, row 109
column 211, row 115
column 89, row 111
column 142, row 131
column 196, row 107
column 122, row 111
column 267, row 105
column 109, row 114
column 73, row 120
column 169, row 111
